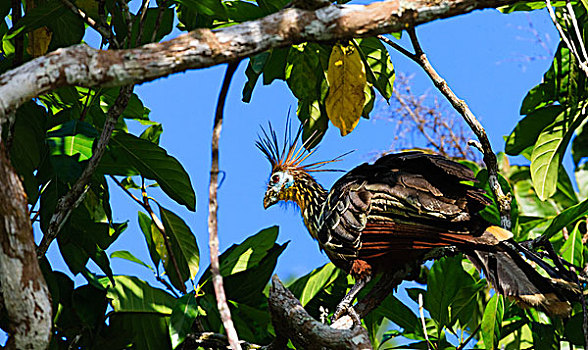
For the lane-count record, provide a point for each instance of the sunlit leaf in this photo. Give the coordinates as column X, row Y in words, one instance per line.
column 249, row 253
column 315, row 121
column 573, row 249
column 130, row 294
column 379, row 69
column 125, row 254
column 182, row 241
column 307, row 287
column 303, row 71
column 527, row 130
column 184, row 313
column 72, row 138
column 492, row 321
column 347, row 80
column 566, row 217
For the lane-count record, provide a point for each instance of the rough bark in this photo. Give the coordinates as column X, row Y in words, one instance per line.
column 82, row 65
column 291, row 320
column 24, row 290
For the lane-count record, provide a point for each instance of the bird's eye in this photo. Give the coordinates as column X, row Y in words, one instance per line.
column 275, row 178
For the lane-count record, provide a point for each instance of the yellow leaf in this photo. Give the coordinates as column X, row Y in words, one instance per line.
column 347, row 81
column 39, row 40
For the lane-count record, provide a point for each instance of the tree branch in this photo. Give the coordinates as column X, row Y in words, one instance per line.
column 25, row 293
column 217, row 279
column 82, row 65
column 72, row 199
column 104, row 31
column 291, row 320
column 462, row 108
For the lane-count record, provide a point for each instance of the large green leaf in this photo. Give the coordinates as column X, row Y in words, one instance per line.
column 304, row 72
column 134, row 110
column 147, row 331
column 379, row 67
column 212, row 8
column 307, row 287
column 130, row 294
column 249, row 253
column 275, row 67
column 149, row 230
column 182, row 241
column 527, row 130
column 72, row 138
column 129, row 155
column 449, row 290
column 573, row 249
column 314, row 118
column 544, row 337
column 492, row 321
column 550, row 147
column 253, row 71
column 184, row 313
column 126, row 255
column 565, row 218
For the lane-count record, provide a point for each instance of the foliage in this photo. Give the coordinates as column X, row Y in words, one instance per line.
column 55, row 135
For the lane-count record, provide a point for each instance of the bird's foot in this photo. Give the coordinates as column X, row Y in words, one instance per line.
column 345, row 307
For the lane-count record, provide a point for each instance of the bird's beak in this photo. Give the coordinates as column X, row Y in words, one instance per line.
column 269, row 199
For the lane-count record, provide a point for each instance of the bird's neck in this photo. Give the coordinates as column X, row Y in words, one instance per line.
column 310, row 197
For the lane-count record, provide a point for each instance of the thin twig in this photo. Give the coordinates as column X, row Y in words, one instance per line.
column 423, row 323
column 73, row 198
column 213, row 243
column 104, row 31
column 462, row 108
column 469, row 338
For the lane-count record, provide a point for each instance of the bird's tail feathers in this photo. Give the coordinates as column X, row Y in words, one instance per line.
column 516, row 278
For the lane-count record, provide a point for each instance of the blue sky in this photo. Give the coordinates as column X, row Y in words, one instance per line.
column 490, row 60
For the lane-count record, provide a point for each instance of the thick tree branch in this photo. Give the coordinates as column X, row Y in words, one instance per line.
column 82, row 65
column 291, row 320
column 71, row 200
column 213, row 243
column 25, row 293
column 462, row 108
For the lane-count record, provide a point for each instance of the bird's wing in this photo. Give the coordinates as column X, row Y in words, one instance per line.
column 403, row 201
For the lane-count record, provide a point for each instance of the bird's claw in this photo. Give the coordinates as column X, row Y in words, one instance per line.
column 344, row 307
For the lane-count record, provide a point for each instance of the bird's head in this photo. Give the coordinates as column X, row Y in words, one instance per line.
column 289, row 175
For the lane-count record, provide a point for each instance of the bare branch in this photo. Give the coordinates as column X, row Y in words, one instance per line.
column 84, row 66
column 72, row 199
column 25, row 293
column 291, row 320
column 462, row 108
column 213, row 242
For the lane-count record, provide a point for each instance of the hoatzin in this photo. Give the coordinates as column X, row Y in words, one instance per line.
column 383, row 215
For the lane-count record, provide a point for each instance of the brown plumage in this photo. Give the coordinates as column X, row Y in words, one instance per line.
column 396, row 210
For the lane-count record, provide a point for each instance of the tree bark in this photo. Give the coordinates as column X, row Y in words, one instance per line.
column 85, row 66
column 25, row 293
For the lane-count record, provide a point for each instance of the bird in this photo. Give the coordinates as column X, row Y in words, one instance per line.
column 398, row 209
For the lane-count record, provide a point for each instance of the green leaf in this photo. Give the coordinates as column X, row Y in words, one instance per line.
column 544, row 337
column 303, row 71
column 153, row 133
column 253, row 71
column 379, row 67
column 146, row 330
column 573, row 329
column 581, row 175
column 549, row 149
column 580, row 145
column 72, row 138
column 154, row 18
column 125, row 254
column 130, row 294
column 182, row 241
column 212, row 8
column 573, row 249
column 529, row 128
column 449, row 290
column 184, row 313
column 134, row 110
column 275, row 67
column 492, row 321
column 249, row 253
column 149, row 230
column 242, row 11
column 129, row 155
column 314, row 119
column 89, row 304
column 565, row 218
column 394, row 310
column 307, row 287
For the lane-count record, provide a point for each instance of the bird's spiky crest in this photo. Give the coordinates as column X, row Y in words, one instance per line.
column 292, row 153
